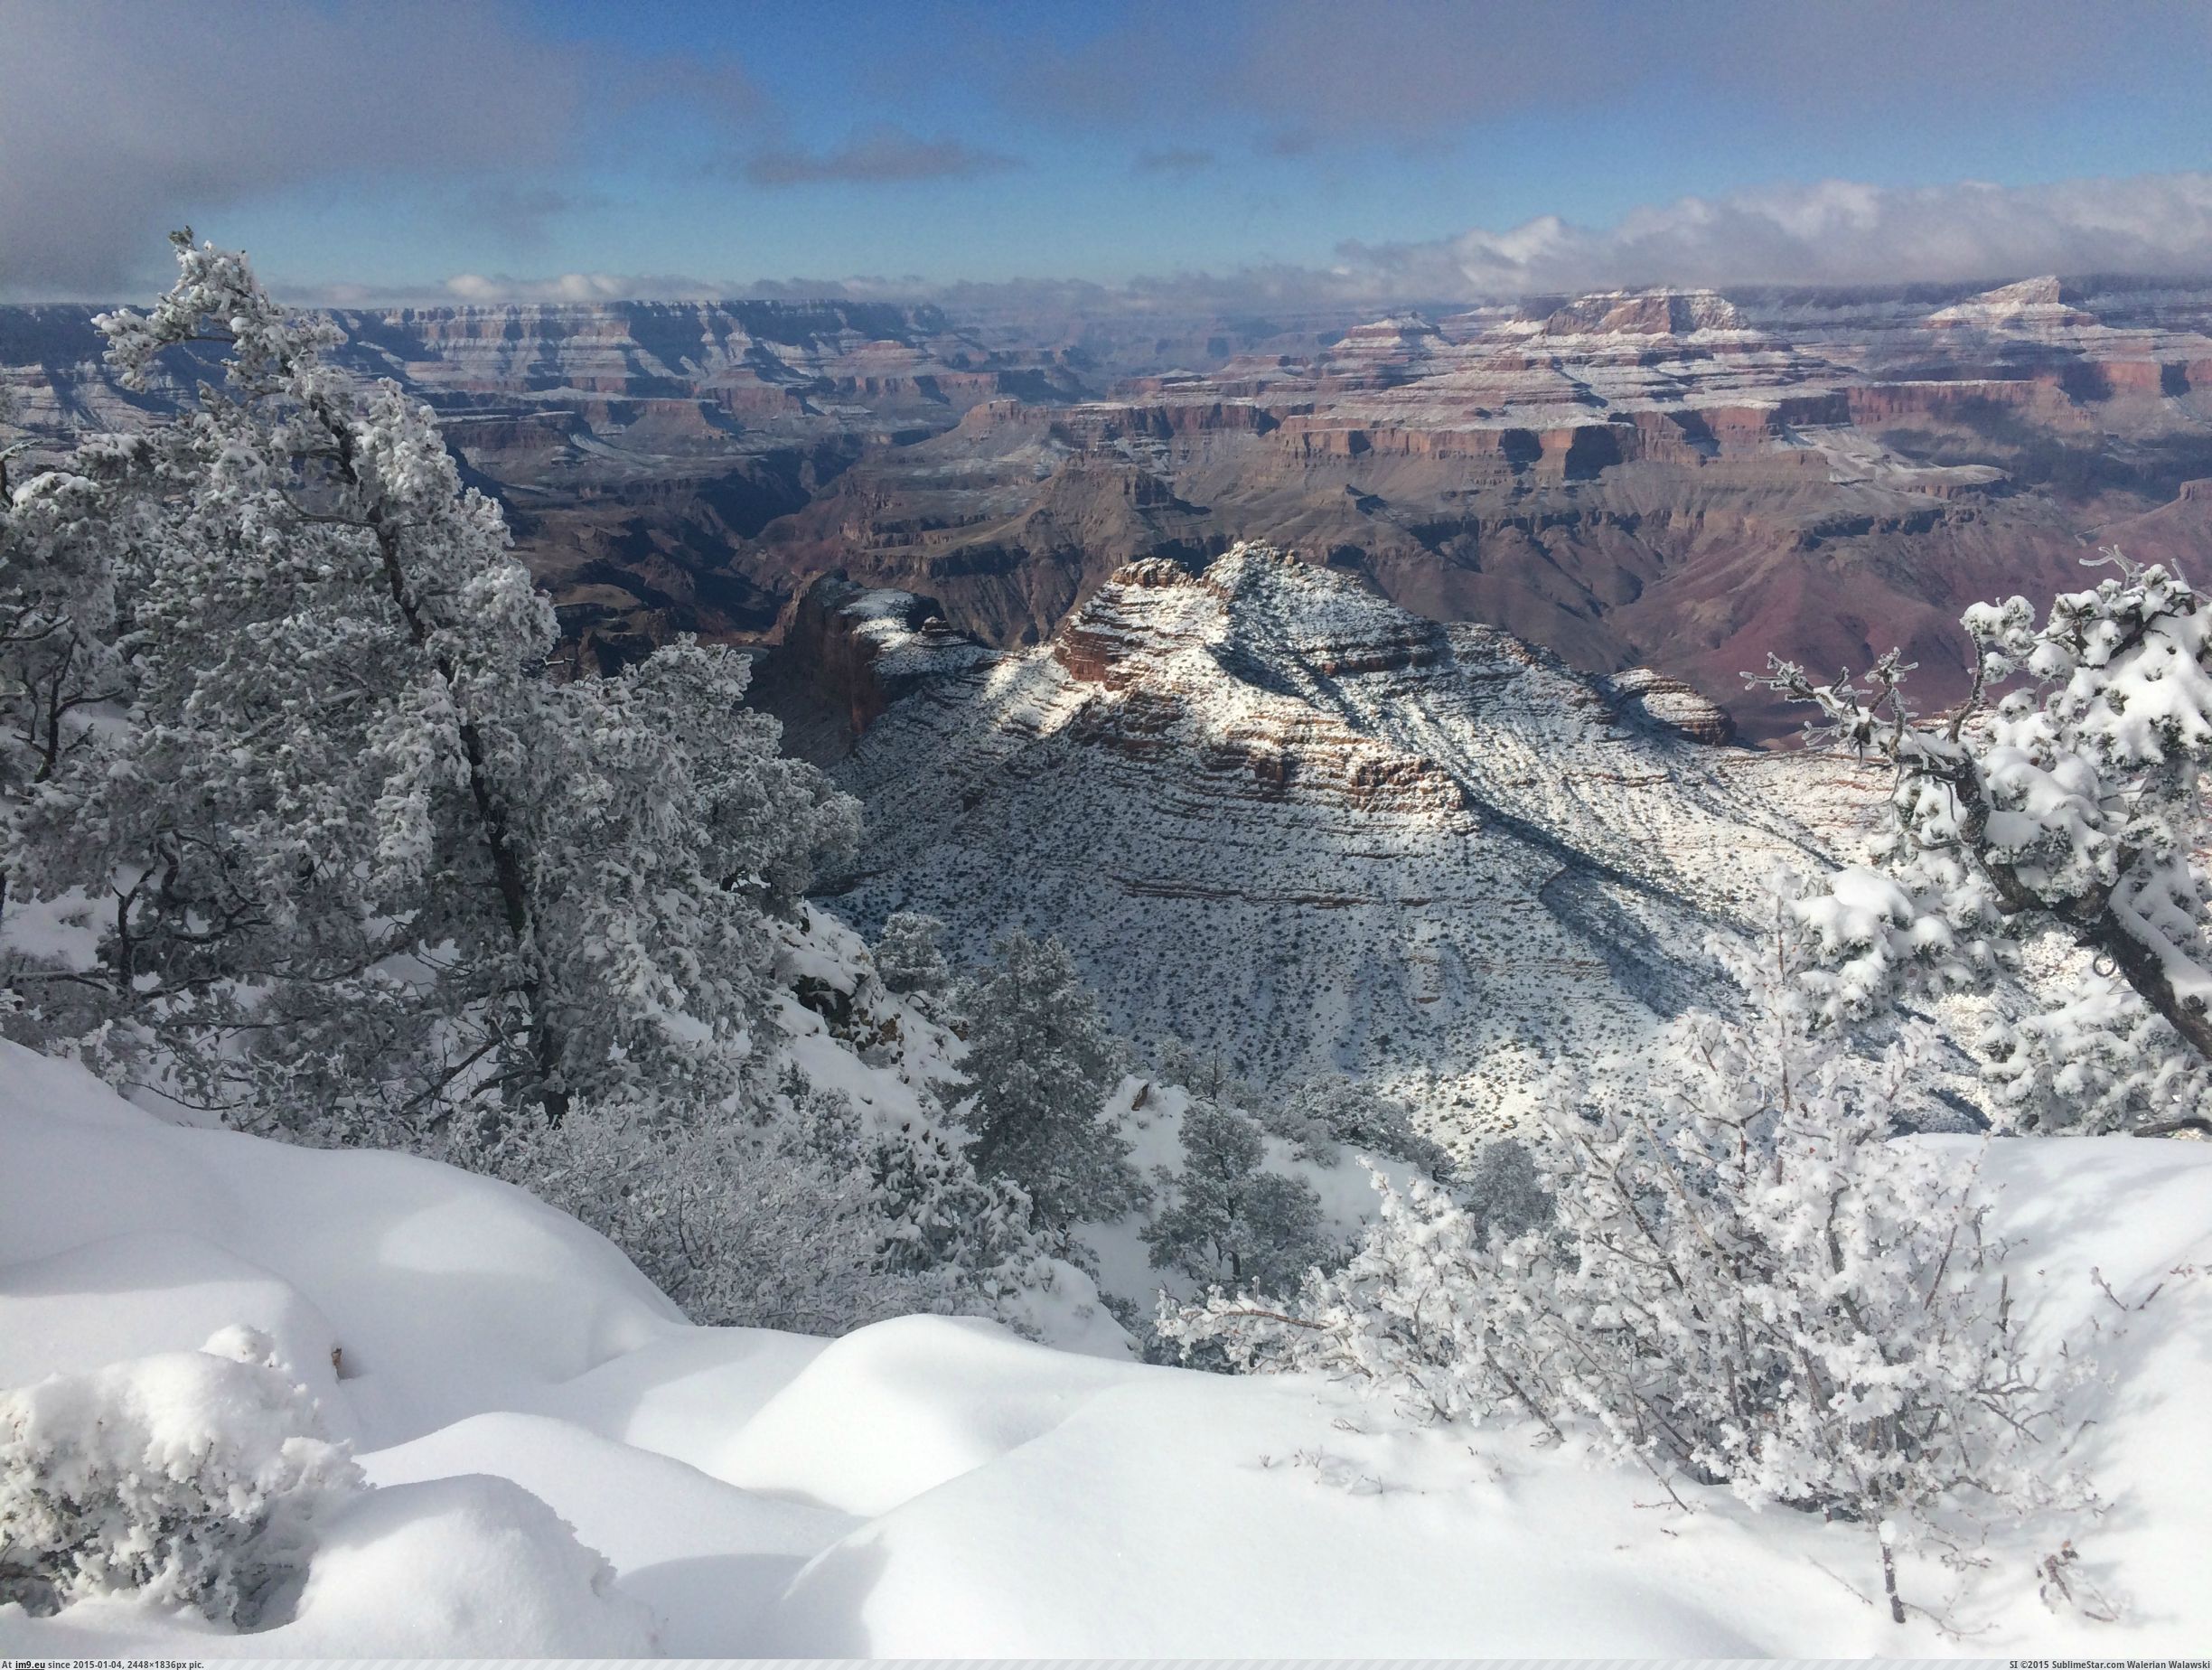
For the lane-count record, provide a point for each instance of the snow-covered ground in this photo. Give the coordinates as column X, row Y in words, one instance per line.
column 937, row 1487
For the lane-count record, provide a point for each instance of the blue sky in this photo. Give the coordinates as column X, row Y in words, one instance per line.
column 479, row 147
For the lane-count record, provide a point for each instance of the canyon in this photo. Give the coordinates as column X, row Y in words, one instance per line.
column 1676, row 481
column 1278, row 817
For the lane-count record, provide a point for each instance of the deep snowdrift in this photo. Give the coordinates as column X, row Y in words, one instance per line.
column 940, row 1488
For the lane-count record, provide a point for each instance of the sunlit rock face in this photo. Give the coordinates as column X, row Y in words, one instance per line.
column 1275, row 814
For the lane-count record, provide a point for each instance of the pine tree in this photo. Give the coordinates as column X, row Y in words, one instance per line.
column 367, row 866
column 1228, row 1221
column 910, row 957
column 1040, row 1063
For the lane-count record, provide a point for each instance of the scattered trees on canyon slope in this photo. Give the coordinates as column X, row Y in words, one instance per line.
column 1319, row 1114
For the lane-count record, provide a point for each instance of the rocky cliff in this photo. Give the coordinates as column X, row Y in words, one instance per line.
column 638, row 446
column 1276, row 814
column 1679, row 481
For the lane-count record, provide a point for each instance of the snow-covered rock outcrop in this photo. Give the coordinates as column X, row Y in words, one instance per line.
column 1274, row 815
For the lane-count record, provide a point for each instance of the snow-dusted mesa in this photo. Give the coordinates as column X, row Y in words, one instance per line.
column 545, row 1459
column 2046, row 309
column 1276, row 816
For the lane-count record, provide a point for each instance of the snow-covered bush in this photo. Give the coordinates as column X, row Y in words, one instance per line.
column 1746, row 1280
column 2068, row 802
column 1330, row 1110
column 1227, row 1221
column 811, row 1219
column 195, row 1478
column 1040, row 1063
column 910, row 957
column 738, row 1227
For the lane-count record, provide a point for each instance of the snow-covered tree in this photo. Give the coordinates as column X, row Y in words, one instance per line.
column 669, row 823
column 61, row 533
column 910, row 957
column 1503, row 1190
column 362, row 864
column 1746, row 1281
column 965, row 1242
column 1205, row 1073
column 1040, row 1063
column 2062, row 796
column 1224, row 1218
column 974, row 1237
column 2095, row 1058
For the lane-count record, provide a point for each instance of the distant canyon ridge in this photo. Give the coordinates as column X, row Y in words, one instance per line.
column 1678, row 481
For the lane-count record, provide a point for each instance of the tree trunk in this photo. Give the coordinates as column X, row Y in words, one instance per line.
column 546, row 1041
column 2090, row 919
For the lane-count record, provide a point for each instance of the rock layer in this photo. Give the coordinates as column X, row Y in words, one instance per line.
column 1674, row 480
column 1275, row 814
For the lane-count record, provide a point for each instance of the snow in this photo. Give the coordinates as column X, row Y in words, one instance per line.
column 461, row 1567
column 1183, row 1525
column 703, row 1556
column 444, row 1293
column 486, row 1569
column 51, row 1330
column 896, row 1410
column 560, row 1466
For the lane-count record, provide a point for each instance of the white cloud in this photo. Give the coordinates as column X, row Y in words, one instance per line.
column 119, row 121
column 1835, row 232
column 477, row 289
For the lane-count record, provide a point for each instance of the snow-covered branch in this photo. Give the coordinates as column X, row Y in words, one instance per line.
column 2062, row 795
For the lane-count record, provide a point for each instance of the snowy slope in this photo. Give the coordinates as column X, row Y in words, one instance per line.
column 928, row 1487
column 1279, row 816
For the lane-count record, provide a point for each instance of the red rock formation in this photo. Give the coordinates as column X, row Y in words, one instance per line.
column 861, row 650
